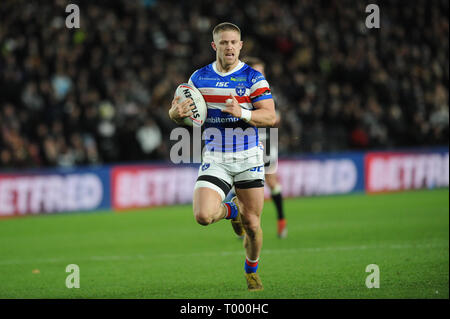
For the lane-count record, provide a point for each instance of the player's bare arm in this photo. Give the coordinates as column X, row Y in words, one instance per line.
column 263, row 116
column 178, row 111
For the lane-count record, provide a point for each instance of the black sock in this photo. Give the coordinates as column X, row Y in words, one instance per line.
column 278, row 200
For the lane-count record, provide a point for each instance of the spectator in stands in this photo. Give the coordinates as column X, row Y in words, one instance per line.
column 98, row 94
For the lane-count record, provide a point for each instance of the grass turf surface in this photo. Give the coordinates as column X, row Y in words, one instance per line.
column 163, row 253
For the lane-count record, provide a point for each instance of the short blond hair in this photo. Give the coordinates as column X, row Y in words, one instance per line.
column 225, row 26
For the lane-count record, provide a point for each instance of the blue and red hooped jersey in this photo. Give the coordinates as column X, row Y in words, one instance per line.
column 247, row 86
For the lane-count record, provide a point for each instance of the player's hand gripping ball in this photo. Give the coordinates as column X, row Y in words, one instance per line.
column 198, row 109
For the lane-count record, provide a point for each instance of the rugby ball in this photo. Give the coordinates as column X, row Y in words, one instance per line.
column 199, row 113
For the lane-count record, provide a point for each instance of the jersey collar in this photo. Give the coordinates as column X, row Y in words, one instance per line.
column 237, row 68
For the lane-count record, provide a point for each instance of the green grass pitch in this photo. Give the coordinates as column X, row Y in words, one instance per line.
column 163, row 253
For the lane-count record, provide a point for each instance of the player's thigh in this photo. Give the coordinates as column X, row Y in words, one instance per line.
column 206, row 202
column 249, row 186
column 212, row 185
column 251, row 201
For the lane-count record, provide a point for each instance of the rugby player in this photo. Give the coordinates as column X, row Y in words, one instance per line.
column 239, row 100
column 270, row 178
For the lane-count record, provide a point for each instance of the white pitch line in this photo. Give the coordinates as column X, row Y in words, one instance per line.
column 221, row 253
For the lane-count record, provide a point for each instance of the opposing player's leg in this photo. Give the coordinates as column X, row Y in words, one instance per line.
column 277, row 197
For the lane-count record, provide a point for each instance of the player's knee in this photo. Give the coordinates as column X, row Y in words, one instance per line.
column 269, row 180
column 252, row 230
column 252, row 225
column 203, row 218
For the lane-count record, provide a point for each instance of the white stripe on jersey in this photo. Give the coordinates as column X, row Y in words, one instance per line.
column 225, row 92
column 220, row 106
column 258, row 85
column 219, row 91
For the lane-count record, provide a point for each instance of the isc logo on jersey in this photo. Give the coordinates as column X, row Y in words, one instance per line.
column 199, row 112
column 222, row 84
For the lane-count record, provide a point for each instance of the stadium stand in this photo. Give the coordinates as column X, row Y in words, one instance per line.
column 100, row 93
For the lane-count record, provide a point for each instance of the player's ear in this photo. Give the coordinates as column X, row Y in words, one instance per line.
column 213, row 46
column 241, row 43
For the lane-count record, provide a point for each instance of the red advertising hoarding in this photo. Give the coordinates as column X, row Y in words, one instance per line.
column 146, row 186
column 387, row 172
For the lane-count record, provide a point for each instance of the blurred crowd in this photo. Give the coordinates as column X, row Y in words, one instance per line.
column 100, row 93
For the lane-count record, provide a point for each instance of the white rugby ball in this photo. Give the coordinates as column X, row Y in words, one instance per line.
column 199, row 113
